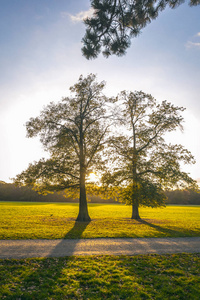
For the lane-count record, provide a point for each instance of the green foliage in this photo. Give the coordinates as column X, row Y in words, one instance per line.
column 115, row 22
column 143, row 164
column 102, row 277
column 148, row 194
column 139, row 163
column 185, row 196
column 11, row 192
column 73, row 132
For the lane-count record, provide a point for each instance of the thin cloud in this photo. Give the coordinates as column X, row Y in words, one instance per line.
column 190, row 45
column 194, row 44
column 79, row 17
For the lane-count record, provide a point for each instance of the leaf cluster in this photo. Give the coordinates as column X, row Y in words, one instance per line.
column 73, row 132
column 143, row 164
column 115, row 22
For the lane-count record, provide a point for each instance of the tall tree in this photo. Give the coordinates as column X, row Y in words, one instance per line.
column 73, row 132
column 115, row 22
column 143, row 163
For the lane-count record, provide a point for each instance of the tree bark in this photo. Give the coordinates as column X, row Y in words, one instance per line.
column 135, row 199
column 135, row 211
column 83, row 215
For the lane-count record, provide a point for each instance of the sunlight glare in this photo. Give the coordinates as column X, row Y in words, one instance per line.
column 93, row 177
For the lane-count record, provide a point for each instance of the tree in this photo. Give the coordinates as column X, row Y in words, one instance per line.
column 184, row 196
column 73, row 132
column 143, row 163
column 115, row 22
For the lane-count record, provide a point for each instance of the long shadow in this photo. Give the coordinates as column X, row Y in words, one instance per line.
column 167, row 231
column 74, row 235
column 77, row 230
column 44, row 274
column 49, row 274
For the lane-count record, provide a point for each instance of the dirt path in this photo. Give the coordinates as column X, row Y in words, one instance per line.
column 100, row 246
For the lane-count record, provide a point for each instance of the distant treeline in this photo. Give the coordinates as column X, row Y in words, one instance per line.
column 10, row 192
column 183, row 197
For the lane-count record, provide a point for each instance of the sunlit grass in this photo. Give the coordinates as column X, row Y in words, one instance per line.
column 102, row 277
column 57, row 220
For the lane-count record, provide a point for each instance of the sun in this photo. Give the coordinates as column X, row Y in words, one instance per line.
column 93, row 177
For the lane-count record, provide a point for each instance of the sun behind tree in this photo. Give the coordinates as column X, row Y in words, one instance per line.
column 139, row 164
column 93, row 177
column 73, row 132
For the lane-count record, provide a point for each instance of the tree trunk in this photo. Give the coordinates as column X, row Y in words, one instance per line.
column 135, row 200
column 135, row 211
column 83, row 215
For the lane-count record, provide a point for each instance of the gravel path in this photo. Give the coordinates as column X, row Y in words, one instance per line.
column 101, row 246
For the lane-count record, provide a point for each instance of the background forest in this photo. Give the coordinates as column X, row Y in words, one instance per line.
column 10, row 192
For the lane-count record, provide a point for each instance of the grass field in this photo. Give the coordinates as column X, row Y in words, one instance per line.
column 156, row 277
column 102, row 277
column 57, row 220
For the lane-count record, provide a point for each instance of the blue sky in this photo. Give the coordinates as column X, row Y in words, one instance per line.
column 40, row 58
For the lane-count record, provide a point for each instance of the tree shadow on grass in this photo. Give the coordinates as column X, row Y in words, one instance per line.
column 45, row 277
column 166, row 231
column 77, row 230
column 68, row 244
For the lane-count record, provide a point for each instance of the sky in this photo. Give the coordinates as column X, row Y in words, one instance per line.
column 40, row 58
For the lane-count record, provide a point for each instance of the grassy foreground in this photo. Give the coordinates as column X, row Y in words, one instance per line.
column 57, row 220
column 102, row 277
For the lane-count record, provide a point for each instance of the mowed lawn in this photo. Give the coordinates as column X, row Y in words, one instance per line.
column 142, row 277
column 156, row 277
column 23, row 220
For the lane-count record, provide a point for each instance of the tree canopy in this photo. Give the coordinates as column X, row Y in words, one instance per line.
column 143, row 164
column 115, row 22
column 73, row 132
column 121, row 138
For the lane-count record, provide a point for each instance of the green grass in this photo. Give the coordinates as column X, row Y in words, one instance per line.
column 99, row 277
column 57, row 220
column 102, row 277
